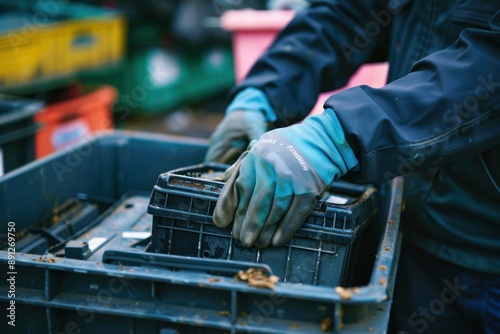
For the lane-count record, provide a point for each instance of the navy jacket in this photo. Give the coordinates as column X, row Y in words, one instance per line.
column 436, row 121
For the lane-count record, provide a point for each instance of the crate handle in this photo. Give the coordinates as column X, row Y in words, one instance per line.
column 175, row 262
column 69, row 117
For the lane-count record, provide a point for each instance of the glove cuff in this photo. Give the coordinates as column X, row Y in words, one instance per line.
column 251, row 99
column 325, row 132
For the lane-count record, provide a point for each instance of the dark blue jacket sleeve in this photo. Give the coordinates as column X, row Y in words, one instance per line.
column 317, row 52
column 446, row 109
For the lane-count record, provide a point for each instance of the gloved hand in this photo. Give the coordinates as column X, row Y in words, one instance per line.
column 246, row 119
column 234, row 133
column 274, row 186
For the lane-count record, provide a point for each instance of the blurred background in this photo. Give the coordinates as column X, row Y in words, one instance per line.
column 73, row 69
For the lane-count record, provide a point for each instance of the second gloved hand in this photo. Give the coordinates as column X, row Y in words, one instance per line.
column 272, row 188
column 234, row 133
column 246, row 119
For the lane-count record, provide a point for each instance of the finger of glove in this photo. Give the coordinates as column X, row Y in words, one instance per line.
column 246, row 185
column 281, row 202
column 257, row 195
column 217, row 142
column 215, row 151
column 226, row 149
column 229, row 155
column 299, row 209
column 234, row 167
column 256, row 127
column 227, row 203
column 266, row 235
column 233, row 134
column 229, row 134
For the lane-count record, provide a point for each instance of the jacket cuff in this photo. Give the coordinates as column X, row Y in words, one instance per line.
column 325, row 131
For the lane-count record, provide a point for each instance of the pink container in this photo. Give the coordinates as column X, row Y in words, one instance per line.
column 254, row 31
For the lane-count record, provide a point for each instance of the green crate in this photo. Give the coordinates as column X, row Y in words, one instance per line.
column 162, row 75
column 150, row 81
column 210, row 73
column 159, row 80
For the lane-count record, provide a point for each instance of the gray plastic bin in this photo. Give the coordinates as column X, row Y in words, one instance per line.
column 100, row 278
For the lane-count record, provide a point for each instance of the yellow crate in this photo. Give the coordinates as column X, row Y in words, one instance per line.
column 60, row 48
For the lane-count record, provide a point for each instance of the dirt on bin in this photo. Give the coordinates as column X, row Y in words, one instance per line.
column 257, row 278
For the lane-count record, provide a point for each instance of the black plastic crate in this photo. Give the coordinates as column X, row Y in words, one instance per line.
column 321, row 252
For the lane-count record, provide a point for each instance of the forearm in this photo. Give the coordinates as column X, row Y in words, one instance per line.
column 318, row 51
column 446, row 109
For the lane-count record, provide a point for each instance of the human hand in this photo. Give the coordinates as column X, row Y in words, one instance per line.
column 234, row 133
column 274, row 186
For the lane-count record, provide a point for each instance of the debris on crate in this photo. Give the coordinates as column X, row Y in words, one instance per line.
column 343, row 292
column 257, row 278
column 346, row 293
column 210, row 174
column 325, row 324
column 213, row 279
column 224, row 313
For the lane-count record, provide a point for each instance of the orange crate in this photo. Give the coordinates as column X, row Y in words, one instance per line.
column 69, row 122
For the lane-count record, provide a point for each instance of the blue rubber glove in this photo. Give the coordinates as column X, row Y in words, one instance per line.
column 274, row 186
column 246, row 119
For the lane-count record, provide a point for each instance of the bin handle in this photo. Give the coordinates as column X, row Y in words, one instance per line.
column 175, row 262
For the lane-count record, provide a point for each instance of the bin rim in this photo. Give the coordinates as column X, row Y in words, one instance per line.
column 28, row 109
